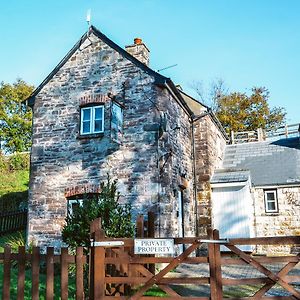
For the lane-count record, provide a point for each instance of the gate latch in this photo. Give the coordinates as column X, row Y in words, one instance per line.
column 107, row 244
column 221, row 241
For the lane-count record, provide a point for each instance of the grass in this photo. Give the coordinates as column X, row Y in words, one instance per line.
column 14, row 181
column 13, row 189
column 155, row 292
column 42, row 286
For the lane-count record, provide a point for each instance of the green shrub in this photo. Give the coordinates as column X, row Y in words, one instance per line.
column 116, row 218
column 19, row 161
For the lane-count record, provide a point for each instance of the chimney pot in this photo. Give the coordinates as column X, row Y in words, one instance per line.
column 138, row 41
column 139, row 50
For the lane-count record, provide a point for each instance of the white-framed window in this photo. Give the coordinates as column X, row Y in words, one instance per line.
column 271, row 202
column 92, row 119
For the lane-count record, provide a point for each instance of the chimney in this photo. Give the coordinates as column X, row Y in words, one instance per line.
column 139, row 50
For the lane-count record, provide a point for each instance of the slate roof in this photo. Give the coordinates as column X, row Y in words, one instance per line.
column 224, row 176
column 269, row 162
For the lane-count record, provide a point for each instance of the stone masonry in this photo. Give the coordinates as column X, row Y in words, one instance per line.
column 285, row 222
column 210, row 144
column 150, row 163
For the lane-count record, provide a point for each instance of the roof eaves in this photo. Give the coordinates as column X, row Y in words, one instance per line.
column 192, row 98
column 177, row 94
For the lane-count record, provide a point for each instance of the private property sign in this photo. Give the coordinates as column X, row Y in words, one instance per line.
column 153, row 246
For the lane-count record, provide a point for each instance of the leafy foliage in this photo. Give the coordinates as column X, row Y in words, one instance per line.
column 116, row 218
column 14, row 177
column 239, row 111
column 15, row 124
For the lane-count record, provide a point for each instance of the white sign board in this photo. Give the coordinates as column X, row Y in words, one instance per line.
column 153, row 246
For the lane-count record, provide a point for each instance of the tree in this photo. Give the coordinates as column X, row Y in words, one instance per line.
column 15, row 117
column 116, row 218
column 210, row 96
column 241, row 112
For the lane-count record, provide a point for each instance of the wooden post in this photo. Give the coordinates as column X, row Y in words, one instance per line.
column 21, row 273
column 150, row 234
column 64, row 274
column 232, row 137
column 97, row 266
column 79, row 274
column 218, row 272
column 140, row 226
column 35, row 269
column 6, row 272
column 50, row 273
column 212, row 267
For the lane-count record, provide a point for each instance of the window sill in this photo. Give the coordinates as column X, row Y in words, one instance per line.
column 90, row 136
column 270, row 214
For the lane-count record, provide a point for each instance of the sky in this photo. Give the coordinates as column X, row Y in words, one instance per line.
column 246, row 43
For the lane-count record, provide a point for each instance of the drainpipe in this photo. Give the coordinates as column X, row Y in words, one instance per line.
column 195, row 179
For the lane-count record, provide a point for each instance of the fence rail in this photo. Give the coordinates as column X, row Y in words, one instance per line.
column 239, row 137
column 131, row 271
column 13, row 221
column 115, row 272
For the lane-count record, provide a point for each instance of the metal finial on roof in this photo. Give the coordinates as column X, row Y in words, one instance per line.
column 88, row 17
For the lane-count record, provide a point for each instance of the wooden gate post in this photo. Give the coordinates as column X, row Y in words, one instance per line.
column 214, row 258
column 150, row 234
column 97, row 266
column 212, row 267
column 218, row 265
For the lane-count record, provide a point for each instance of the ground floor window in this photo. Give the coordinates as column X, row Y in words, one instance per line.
column 271, row 201
column 77, row 201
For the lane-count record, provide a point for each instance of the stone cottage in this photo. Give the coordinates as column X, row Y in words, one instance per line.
column 104, row 110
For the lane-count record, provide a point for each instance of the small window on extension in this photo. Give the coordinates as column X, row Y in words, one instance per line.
column 271, row 201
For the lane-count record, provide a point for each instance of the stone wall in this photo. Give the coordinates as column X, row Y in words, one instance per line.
column 62, row 160
column 176, row 166
column 209, row 149
column 285, row 222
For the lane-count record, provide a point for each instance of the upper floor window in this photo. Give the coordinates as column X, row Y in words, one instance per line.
column 271, row 202
column 92, row 119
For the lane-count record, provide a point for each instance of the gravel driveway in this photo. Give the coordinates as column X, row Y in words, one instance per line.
column 232, row 272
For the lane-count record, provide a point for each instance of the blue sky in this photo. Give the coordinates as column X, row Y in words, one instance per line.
column 247, row 43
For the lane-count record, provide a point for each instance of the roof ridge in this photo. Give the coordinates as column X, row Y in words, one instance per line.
column 160, row 79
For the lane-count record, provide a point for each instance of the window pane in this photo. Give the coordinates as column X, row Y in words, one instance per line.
column 271, row 206
column 86, row 114
column 86, row 127
column 271, row 196
column 98, row 113
column 98, row 126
